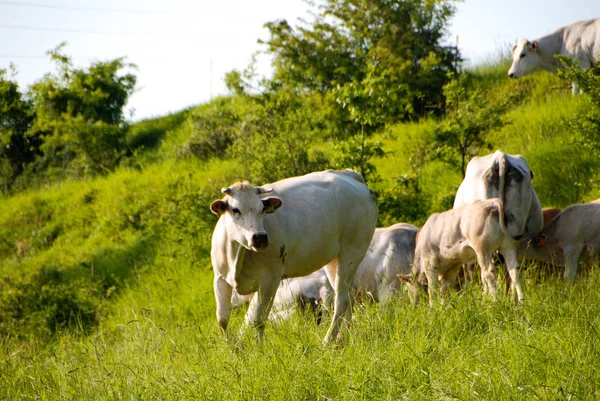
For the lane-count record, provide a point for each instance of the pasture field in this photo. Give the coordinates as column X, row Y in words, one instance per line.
column 106, row 286
column 164, row 344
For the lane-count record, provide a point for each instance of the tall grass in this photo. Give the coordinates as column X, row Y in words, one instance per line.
column 469, row 348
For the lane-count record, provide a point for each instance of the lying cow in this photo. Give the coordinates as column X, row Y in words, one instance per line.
column 571, row 236
column 391, row 253
column 472, row 232
column 326, row 218
column 312, row 292
column 507, row 177
column 580, row 41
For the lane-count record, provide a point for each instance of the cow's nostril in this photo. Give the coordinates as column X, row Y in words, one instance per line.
column 260, row 240
column 511, row 75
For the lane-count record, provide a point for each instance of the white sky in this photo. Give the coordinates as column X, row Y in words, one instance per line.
column 175, row 42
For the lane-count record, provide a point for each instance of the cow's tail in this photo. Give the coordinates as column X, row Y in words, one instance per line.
column 502, row 170
column 501, row 219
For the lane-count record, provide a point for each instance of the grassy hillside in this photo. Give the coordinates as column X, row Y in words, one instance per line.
column 106, row 285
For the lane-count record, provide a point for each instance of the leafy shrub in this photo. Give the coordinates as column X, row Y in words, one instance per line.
column 404, row 202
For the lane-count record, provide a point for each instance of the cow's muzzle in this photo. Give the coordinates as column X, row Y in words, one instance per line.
column 260, row 241
column 518, row 237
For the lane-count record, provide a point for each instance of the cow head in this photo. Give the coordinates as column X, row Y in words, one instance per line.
column 512, row 184
column 243, row 210
column 526, row 59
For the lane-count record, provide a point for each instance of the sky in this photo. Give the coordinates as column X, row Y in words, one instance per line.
column 183, row 48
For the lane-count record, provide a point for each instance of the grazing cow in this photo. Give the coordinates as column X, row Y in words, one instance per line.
column 391, row 253
column 470, row 232
column 580, row 41
column 312, row 292
column 572, row 235
column 326, row 218
column 507, row 177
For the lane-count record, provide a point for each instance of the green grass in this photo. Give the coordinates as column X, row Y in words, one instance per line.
column 469, row 348
column 106, row 285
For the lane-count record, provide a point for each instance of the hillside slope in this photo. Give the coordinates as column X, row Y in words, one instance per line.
column 76, row 254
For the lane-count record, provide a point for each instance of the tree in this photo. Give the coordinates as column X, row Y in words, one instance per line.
column 586, row 122
column 469, row 118
column 383, row 60
column 357, row 153
column 17, row 147
column 80, row 114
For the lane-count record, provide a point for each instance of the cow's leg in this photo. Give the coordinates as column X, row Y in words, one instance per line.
column 432, row 279
column 260, row 306
column 449, row 279
column 388, row 284
column 514, row 272
column 345, row 266
column 488, row 275
column 223, row 296
column 572, row 254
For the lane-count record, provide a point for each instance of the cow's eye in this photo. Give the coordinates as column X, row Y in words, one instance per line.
column 522, row 55
column 236, row 211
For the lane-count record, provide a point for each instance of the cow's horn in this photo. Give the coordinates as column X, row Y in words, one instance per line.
column 263, row 190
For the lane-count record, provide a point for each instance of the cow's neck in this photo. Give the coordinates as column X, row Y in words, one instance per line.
column 548, row 46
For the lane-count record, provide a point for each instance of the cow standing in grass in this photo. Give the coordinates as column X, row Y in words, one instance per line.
column 580, row 41
column 290, row 228
column 573, row 235
column 472, row 232
column 507, row 177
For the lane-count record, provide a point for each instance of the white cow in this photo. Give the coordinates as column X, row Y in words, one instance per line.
column 580, row 41
column 391, row 252
column 507, row 177
column 326, row 218
column 312, row 292
column 462, row 235
column 573, row 235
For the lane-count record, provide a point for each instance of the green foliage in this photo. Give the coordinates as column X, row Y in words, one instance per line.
column 585, row 124
column 564, row 173
column 469, row 118
column 79, row 113
column 383, row 60
column 17, row 146
column 357, row 153
column 214, row 127
column 404, row 202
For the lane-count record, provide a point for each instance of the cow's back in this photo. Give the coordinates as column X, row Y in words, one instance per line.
column 581, row 40
column 391, row 253
column 577, row 224
column 320, row 211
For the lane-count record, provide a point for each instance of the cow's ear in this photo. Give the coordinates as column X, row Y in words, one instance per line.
column 226, row 191
column 218, row 207
column 271, row 204
column 534, row 45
